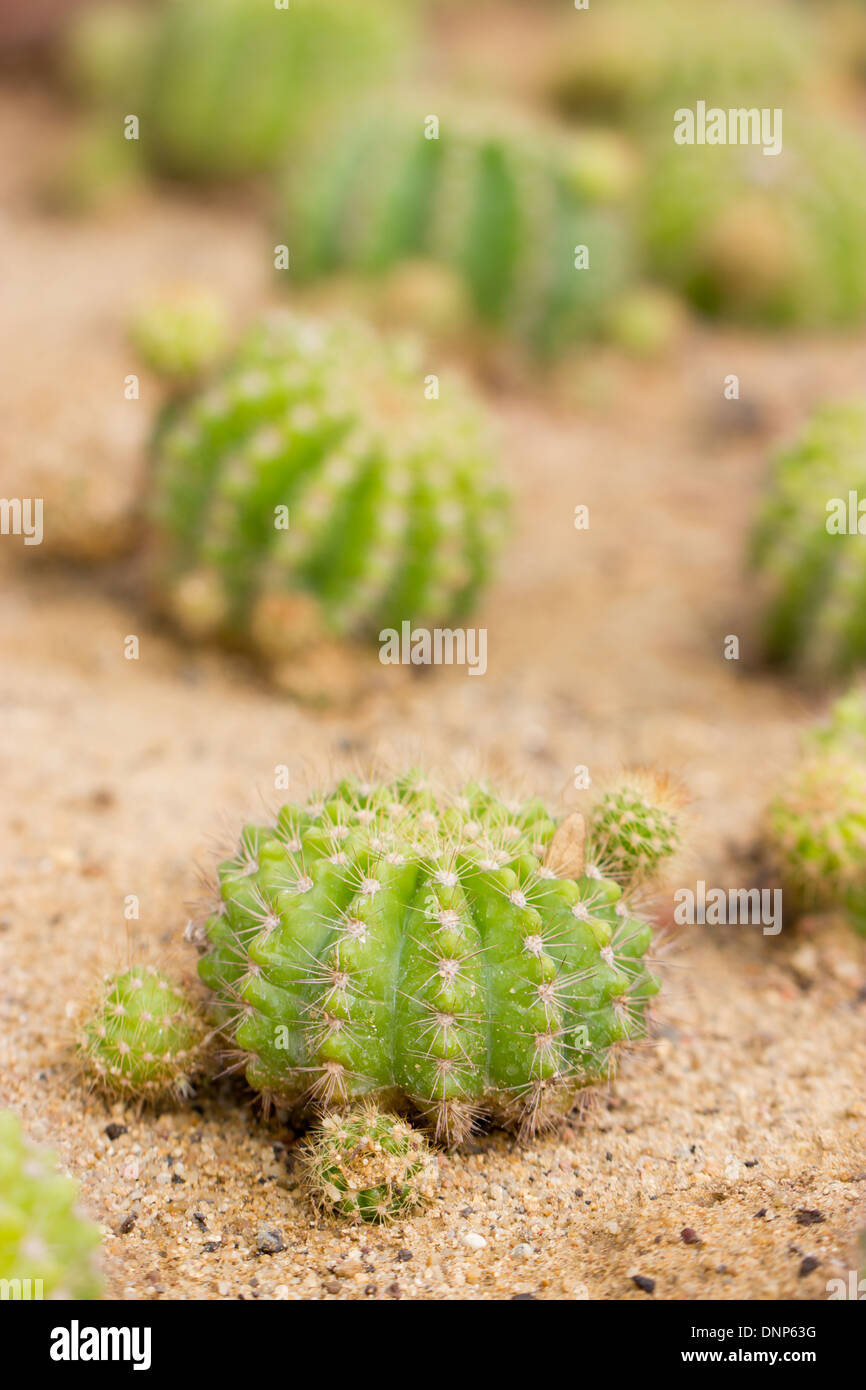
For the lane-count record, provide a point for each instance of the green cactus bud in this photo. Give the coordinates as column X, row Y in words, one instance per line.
column 506, row 204
column 453, row 955
column 646, row 321
column 769, row 239
column 368, row 1166
column 636, row 826
column 143, row 1039
column 181, row 332
column 313, row 492
column 815, row 828
column 46, row 1247
column 812, row 562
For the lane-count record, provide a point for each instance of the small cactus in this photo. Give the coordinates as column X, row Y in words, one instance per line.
column 368, row 1166
column 636, row 61
column 223, row 87
column 636, row 826
column 180, row 333
column 814, row 578
column 503, row 203
column 455, row 954
column 815, row 829
column 771, row 240
column 143, row 1038
column 311, row 492
column 46, row 1247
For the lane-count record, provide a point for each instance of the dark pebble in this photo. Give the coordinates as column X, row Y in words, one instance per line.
column 648, row 1285
column 393, row 1291
column 114, row 1131
column 688, row 1236
column 211, row 1245
column 762, row 1212
column 127, row 1224
column 404, row 1255
column 808, row 1265
column 269, row 1241
column 809, row 1216
column 523, row 1297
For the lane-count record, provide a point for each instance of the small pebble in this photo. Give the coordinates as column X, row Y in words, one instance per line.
column 688, row 1236
column 269, row 1241
column 114, row 1131
column 643, row 1282
column 474, row 1240
column 808, row 1264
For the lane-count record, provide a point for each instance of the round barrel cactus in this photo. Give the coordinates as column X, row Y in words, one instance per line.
column 452, row 956
column 221, row 87
column 636, row 826
column 47, row 1248
column 808, row 548
column 815, row 830
column 767, row 239
column 142, row 1038
column 638, row 60
column 503, row 203
column 369, row 1166
column 312, row 490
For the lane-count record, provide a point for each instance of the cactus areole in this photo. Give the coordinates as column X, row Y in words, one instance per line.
column 452, row 957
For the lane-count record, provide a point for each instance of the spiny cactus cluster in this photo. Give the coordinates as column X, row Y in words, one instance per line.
column 312, row 491
column 636, row 826
column 813, row 573
column 221, row 87
column 368, row 1166
column 638, row 60
column 44, row 1242
column 452, row 955
column 503, row 204
column 769, row 239
column 143, row 1038
column 815, row 832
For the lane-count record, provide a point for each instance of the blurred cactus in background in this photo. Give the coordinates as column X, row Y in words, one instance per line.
column 222, row 87
column 499, row 200
column 815, row 573
column 311, row 491
column 775, row 240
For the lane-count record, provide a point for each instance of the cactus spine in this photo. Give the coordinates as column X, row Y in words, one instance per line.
column 382, row 942
column 811, row 561
column 46, row 1247
column 502, row 204
column 143, row 1038
column 312, row 491
column 368, row 1166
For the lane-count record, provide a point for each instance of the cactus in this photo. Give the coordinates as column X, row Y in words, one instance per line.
column 222, row 87
column 368, row 1166
column 814, row 578
column 636, row 826
column 636, row 61
column 452, row 955
column 44, row 1243
column 773, row 240
column 504, row 203
column 815, row 827
column 180, row 333
column 143, row 1037
column 313, row 492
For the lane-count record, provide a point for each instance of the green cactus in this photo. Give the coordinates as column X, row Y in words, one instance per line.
column 368, row 1166
column 222, row 87
column 504, row 203
column 181, row 332
column 312, row 491
column 815, row 830
column 636, row 826
column 143, row 1037
column 450, row 955
column 814, row 574
column 767, row 239
column 636, row 61
column 46, row 1247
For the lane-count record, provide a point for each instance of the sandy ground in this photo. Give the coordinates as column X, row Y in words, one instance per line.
column 744, row 1123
